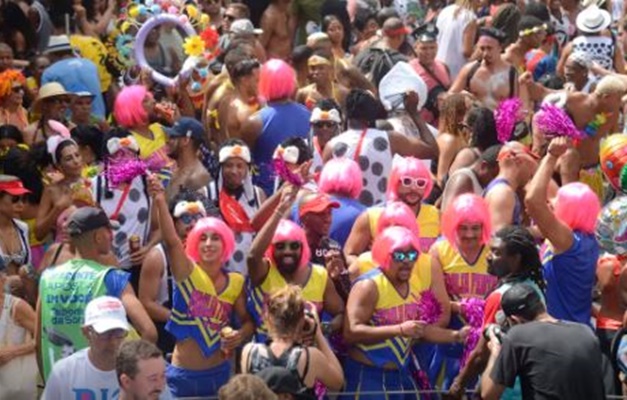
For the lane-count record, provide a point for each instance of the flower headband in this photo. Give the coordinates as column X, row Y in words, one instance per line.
column 531, row 31
column 237, row 150
column 318, row 115
column 116, row 144
column 189, row 207
column 53, row 142
column 288, row 154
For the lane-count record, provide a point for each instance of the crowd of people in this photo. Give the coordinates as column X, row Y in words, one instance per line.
column 308, row 199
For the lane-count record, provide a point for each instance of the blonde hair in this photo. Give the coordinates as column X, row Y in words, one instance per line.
column 246, row 387
column 610, row 84
column 285, row 309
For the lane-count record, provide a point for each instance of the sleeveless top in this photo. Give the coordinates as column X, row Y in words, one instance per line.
column 598, row 48
column 428, row 220
column 200, row 312
column 313, row 291
column 374, row 158
column 23, row 256
column 463, row 278
column 289, row 359
column 467, row 171
column 451, row 29
column 422, row 267
column 391, row 309
column 154, row 151
column 517, row 213
column 10, row 333
column 280, row 121
column 570, row 277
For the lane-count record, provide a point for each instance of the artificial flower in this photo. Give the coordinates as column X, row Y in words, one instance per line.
column 192, row 12
column 210, row 37
column 204, row 19
column 194, row 46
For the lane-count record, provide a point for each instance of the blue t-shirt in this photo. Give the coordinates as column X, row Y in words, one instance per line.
column 280, row 121
column 74, row 73
column 570, row 277
column 344, row 218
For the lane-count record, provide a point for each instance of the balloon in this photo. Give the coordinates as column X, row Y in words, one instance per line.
column 611, row 229
column 140, row 40
column 613, row 158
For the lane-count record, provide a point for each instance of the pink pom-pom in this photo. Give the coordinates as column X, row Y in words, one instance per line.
column 124, row 172
column 472, row 311
column 506, row 115
column 553, row 121
column 320, row 389
column 283, row 172
column 429, row 307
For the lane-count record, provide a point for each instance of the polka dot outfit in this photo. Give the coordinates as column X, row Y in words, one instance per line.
column 374, row 159
column 598, row 48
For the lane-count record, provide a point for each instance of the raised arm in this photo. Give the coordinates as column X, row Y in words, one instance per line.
column 424, row 146
column 359, row 239
column 557, row 232
column 152, row 270
column 257, row 266
column 181, row 265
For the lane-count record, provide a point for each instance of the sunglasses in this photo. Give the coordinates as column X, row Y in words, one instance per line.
column 408, row 181
column 400, row 256
column 284, row 245
column 17, row 89
column 325, row 124
column 229, row 17
column 188, row 218
column 59, row 100
column 112, row 334
column 17, row 198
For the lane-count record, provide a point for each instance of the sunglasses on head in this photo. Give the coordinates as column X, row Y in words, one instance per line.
column 284, row 245
column 400, row 256
column 408, row 181
column 325, row 124
column 188, row 218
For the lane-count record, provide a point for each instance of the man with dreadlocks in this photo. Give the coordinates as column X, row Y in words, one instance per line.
column 513, row 259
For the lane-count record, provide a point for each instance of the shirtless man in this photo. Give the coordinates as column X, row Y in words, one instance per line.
column 184, row 140
column 244, row 73
column 278, row 25
column 531, row 34
column 490, row 80
column 322, row 87
column 596, row 113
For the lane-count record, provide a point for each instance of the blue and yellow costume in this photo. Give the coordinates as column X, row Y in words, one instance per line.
column 428, row 220
column 463, row 279
column 199, row 312
column 312, row 291
column 391, row 309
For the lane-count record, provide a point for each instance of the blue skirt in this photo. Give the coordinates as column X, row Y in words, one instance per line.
column 186, row 383
column 374, row 383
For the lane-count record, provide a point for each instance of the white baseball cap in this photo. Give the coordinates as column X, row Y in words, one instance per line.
column 106, row 313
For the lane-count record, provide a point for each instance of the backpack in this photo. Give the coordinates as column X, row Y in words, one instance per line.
column 375, row 63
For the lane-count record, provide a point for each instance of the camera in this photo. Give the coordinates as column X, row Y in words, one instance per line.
column 496, row 329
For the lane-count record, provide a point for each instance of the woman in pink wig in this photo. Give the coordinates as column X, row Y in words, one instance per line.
column 280, row 119
column 570, row 253
column 205, row 298
column 409, row 182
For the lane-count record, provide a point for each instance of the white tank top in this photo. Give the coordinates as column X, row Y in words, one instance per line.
column 451, row 29
column 10, row 332
column 163, row 295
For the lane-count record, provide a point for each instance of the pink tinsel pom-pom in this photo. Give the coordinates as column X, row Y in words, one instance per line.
column 283, row 172
column 429, row 307
column 553, row 121
column 472, row 311
column 506, row 115
column 124, row 172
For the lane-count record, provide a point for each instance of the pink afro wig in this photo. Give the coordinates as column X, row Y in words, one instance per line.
column 407, row 166
column 577, row 206
column 128, row 108
column 390, row 240
column 466, row 208
column 277, row 80
column 398, row 213
column 341, row 176
column 212, row 225
column 290, row 232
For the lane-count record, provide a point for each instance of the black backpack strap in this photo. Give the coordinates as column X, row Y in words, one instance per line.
column 98, row 189
column 512, row 81
column 471, row 73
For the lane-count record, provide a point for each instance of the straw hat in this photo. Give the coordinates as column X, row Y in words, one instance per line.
column 49, row 90
column 593, row 19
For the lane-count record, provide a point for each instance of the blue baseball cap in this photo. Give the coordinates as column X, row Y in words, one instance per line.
column 186, row 127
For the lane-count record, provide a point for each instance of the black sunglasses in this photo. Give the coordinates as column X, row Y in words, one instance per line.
column 325, row 124
column 230, row 17
column 283, row 245
column 16, row 198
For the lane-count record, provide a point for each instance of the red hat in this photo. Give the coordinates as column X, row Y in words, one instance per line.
column 13, row 187
column 316, row 204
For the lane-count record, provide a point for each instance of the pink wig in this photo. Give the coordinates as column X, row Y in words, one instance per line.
column 398, row 213
column 577, row 206
column 390, row 240
column 341, row 176
column 289, row 231
column 466, row 208
column 212, row 225
column 407, row 166
column 128, row 108
column 277, row 80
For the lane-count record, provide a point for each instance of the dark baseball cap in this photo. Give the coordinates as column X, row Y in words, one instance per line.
column 283, row 381
column 519, row 298
column 87, row 219
column 186, row 127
